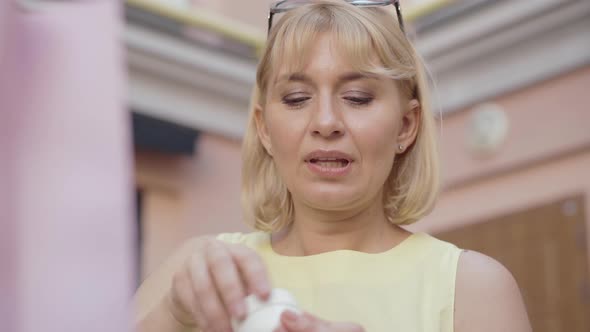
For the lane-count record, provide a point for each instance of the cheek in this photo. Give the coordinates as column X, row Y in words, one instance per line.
column 376, row 137
column 285, row 134
column 380, row 154
column 376, row 141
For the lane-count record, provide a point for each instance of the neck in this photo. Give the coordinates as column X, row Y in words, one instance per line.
column 317, row 231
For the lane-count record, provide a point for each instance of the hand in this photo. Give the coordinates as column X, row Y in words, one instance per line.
column 210, row 287
column 292, row 322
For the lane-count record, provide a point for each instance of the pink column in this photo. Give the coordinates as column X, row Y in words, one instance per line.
column 66, row 196
column 8, row 268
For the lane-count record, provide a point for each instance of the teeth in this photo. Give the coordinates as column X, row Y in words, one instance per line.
column 328, row 159
column 332, row 164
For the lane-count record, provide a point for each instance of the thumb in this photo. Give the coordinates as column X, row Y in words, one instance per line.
column 294, row 322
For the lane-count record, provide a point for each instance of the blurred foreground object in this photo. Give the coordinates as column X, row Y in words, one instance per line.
column 65, row 201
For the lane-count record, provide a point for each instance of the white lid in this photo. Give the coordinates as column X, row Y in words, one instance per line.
column 278, row 296
column 264, row 316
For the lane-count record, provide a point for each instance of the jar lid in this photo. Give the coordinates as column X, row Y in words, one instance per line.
column 278, row 296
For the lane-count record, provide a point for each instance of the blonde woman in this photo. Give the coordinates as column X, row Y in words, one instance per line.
column 339, row 152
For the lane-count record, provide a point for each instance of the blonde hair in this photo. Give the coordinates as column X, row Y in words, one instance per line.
column 373, row 43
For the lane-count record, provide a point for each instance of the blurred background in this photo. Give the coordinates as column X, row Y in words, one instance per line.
column 512, row 89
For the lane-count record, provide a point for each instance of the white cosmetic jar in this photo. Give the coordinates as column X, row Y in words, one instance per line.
column 265, row 316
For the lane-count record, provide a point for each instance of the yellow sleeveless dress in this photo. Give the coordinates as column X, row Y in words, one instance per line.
column 409, row 288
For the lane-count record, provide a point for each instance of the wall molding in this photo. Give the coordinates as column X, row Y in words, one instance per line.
column 188, row 83
column 474, row 55
column 501, row 46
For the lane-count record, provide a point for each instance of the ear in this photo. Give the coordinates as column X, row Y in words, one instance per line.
column 262, row 129
column 410, row 123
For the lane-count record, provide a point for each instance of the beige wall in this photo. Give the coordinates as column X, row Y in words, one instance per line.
column 545, row 157
column 185, row 196
column 547, row 120
column 252, row 12
column 500, row 195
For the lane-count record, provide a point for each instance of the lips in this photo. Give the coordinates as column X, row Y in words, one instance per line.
column 329, row 157
column 329, row 162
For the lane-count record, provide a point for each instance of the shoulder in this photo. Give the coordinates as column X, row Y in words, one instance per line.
column 439, row 255
column 487, row 297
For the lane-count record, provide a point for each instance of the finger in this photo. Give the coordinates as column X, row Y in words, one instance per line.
column 307, row 322
column 294, row 322
column 227, row 279
column 200, row 317
column 182, row 301
column 209, row 304
column 252, row 269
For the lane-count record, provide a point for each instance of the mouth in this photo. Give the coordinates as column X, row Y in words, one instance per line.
column 330, row 162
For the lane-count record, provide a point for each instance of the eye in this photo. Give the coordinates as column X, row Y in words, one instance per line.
column 359, row 100
column 295, row 100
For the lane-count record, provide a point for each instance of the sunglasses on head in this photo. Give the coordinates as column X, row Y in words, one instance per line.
column 286, row 5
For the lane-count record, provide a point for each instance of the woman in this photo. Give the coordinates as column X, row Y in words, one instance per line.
column 339, row 152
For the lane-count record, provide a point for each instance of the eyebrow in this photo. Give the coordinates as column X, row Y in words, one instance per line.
column 346, row 77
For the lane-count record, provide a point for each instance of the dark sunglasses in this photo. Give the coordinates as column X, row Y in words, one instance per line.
column 286, row 5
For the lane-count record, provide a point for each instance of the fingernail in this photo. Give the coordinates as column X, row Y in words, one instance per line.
column 263, row 291
column 290, row 316
column 239, row 310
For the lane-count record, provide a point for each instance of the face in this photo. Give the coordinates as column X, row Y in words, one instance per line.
column 334, row 133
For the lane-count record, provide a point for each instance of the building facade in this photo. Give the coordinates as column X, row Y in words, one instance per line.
column 512, row 82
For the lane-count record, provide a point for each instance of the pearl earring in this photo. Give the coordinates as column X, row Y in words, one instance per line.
column 401, row 147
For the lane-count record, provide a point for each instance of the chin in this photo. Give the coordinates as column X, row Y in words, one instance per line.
column 331, row 197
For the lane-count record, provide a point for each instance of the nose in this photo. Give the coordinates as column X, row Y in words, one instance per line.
column 326, row 120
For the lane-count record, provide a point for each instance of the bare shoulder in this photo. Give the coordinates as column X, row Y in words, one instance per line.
column 487, row 297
